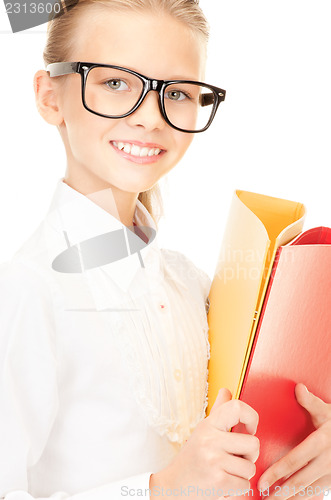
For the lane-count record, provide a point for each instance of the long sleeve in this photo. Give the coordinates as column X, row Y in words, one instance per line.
column 29, row 399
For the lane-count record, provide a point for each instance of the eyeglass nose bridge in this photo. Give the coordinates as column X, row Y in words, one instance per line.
column 152, row 84
column 155, row 85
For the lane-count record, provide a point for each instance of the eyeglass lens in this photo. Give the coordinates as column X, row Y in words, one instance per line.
column 114, row 92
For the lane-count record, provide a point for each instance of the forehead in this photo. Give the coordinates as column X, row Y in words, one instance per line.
column 153, row 44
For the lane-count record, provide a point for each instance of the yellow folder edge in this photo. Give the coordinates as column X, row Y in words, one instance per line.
column 258, row 225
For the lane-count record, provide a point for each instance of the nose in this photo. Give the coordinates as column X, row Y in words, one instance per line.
column 148, row 115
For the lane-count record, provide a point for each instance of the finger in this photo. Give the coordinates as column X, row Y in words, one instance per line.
column 319, row 410
column 320, row 487
column 241, row 444
column 298, row 481
column 233, row 485
column 237, row 466
column 223, row 396
column 231, row 413
column 297, row 458
column 316, row 488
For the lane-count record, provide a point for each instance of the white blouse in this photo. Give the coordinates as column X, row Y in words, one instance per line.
column 103, row 367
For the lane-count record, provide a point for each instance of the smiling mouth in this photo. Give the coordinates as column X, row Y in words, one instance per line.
column 137, row 151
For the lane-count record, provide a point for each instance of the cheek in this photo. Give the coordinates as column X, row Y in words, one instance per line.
column 86, row 130
column 83, row 138
column 183, row 142
column 78, row 120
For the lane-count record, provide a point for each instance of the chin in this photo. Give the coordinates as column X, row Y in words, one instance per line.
column 139, row 186
column 133, row 187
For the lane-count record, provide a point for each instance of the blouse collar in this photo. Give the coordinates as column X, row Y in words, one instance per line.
column 85, row 228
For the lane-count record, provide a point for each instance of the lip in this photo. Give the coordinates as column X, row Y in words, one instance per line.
column 141, row 144
column 139, row 159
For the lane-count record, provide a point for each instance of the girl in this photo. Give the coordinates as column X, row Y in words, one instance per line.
column 104, row 343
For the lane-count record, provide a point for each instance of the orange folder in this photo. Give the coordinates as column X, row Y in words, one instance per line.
column 275, row 328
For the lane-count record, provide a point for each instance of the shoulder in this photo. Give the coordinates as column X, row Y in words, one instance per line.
column 186, row 271
column 18, row 279
column 26, row 302
column 32, row 250
column 25, row 273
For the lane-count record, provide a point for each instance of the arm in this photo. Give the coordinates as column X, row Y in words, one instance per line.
column 28, row 388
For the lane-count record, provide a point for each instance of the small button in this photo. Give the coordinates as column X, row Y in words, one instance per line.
column 178, row 375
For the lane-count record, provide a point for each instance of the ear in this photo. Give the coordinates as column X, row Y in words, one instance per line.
column 47, row 98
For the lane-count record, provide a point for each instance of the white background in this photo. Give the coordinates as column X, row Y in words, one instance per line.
column 271, row 135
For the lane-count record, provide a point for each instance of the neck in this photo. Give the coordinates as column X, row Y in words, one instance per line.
column 120, row 204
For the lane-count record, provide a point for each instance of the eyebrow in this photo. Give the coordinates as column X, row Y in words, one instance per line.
column 132, row 68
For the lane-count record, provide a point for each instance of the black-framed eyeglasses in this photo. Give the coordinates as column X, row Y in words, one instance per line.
column 116, row 92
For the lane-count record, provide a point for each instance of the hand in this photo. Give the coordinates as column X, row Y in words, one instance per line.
column 309, row 463
column 212, row 458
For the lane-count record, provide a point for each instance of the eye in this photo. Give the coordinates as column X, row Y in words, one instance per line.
column 177, row 95
column 116, row 84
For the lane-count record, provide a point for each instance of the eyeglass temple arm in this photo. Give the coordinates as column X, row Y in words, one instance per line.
column 62, row 68
column 208, row 99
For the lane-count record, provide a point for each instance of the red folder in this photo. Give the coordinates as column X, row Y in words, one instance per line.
column 292, row 344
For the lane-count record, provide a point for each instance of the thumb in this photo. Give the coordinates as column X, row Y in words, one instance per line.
column 318, row 409
column 223, row 396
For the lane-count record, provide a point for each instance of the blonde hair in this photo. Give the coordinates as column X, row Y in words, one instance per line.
column 61, row 41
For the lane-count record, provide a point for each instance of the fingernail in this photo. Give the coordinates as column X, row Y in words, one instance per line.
column 306, row 388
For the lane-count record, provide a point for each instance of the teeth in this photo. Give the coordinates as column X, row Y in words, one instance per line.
column 144, row 152
column 135, row 150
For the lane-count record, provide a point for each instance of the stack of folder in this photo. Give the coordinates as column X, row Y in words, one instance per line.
column 270, row 319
